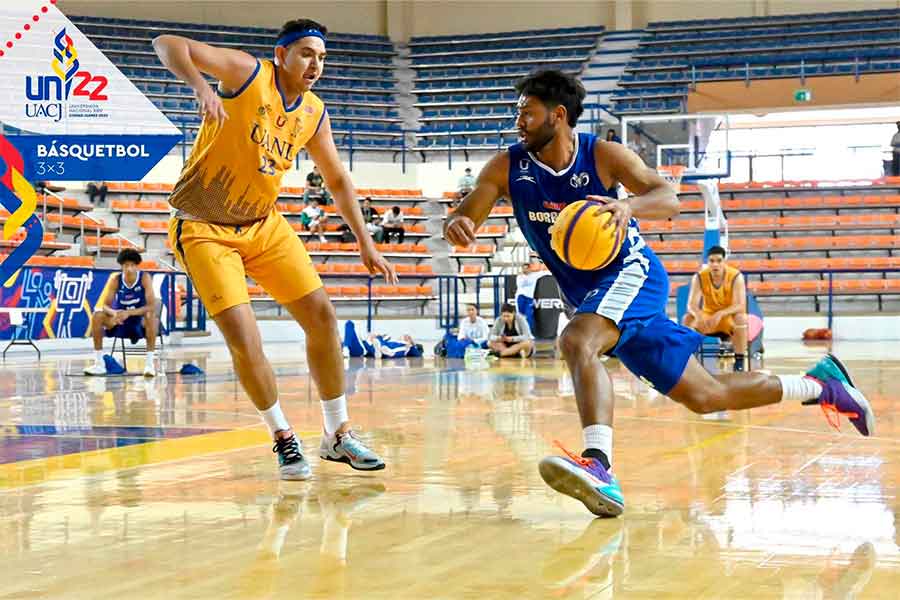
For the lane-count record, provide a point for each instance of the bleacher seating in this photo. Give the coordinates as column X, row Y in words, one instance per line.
column 672, row 55
column 464, row 84
column 358, row 83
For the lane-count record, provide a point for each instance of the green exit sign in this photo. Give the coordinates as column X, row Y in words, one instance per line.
column 803, row 96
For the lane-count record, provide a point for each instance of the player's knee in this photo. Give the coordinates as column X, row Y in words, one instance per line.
column 576, row 345
column 322, row 317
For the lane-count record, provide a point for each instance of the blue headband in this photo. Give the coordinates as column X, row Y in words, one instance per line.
column 289, row 38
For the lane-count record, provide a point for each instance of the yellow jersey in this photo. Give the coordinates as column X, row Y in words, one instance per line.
column 234, row 172
column 717, row 298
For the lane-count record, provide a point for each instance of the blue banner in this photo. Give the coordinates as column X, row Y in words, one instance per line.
column 67, row 298
column 91, row 157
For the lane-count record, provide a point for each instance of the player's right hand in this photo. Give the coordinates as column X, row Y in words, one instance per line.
column 210, row 104
column 460, row 230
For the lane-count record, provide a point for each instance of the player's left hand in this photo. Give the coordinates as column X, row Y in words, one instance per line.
column 376, row 263
column 619, row 209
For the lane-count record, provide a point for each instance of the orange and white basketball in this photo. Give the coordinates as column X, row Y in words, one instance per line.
column 580, row 239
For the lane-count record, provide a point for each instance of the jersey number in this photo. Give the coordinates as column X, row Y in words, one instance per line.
column 267, row 167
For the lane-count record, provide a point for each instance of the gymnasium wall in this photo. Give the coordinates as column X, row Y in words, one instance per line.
column 769, row 94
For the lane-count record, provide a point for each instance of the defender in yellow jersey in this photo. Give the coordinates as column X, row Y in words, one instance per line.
column 227, row 227
column 721, row 289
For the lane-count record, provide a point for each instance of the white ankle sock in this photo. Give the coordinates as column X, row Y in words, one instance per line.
column 799, row 388
column 334, row 413
column 274, row 418
column 151, row 355
column 98, row 356
column 600, row 438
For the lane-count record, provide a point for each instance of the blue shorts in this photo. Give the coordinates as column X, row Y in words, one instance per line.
column 131, row 328
column 650, row 345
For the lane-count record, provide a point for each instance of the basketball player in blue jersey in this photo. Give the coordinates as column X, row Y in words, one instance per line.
column 127, row 310
column 619, row 310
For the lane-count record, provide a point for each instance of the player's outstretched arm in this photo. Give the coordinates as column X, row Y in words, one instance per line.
column 693, row 307
column 473, row 211
column 653, row 197
column 324, row 153
column 188, row 59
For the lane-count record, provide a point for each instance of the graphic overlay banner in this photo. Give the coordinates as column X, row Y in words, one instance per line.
column 75, row 116
column 69, row 297
column 18, row 198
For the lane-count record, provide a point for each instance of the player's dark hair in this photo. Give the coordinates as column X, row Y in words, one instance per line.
column 473, row 306
column 395, row 210
column 555, row 88
column 716, row 250
column 128, row 255
column 301, row 25
column 508, row 308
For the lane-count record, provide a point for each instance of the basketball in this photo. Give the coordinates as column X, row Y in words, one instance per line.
column 580, row 239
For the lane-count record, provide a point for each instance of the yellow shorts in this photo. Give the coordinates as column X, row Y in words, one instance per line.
column 218, row 259
column 726, row 324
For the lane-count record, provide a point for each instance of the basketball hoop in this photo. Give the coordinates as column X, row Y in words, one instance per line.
column 672, row 174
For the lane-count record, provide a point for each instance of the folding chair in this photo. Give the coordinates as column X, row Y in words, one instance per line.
column 719, row 345
column 135, row 348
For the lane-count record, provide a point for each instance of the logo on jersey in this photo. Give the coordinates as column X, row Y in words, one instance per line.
column 553, row 205
column 523, row 164
column 539, row 216
column 580, row 180
column 527, row 178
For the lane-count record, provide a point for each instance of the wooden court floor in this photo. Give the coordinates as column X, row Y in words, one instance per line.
column 123, row 488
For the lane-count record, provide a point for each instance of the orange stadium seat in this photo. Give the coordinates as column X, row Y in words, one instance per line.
column 424, row 269
column 472, row 269
column 424, row 290
column 420, row 248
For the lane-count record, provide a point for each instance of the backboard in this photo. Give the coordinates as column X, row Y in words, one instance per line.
column 699, row 143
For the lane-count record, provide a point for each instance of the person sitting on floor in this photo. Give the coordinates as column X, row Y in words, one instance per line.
column 378, row 346
column 511, row 334
column 127, row 310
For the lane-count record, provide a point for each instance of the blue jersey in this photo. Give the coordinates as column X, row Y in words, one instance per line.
column 127, row 297
column 538, row 194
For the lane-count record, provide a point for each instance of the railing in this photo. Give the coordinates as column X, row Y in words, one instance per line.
column 449, row 291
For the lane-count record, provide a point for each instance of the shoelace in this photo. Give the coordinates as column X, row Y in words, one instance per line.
column 579, row 459
column 355, row 444
column 288, row 448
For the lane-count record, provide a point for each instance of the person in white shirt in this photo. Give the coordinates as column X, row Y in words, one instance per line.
column 392, row 223
column 473, row 328
column 313, row 218
column 526, row 281
column 466, row 184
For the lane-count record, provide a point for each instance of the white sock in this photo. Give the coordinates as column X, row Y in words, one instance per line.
column 274, row 418
column 98, row 356
column 799, row 387
column 334, row 413
column 599, row 437
column 151, row 355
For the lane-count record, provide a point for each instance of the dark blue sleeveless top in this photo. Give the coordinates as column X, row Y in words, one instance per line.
column 130, row 297
column 538, row 194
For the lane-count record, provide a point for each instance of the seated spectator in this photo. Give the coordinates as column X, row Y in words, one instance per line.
column 720, row 288
column 612, row 136
column 313, row 218
column 466, row 184
column 315, row 187
column 96, row 191
column 373, row 220
column 473, row 328
column 511, row 335
column 129, row 312
column 392, row 224
column 378, row 346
